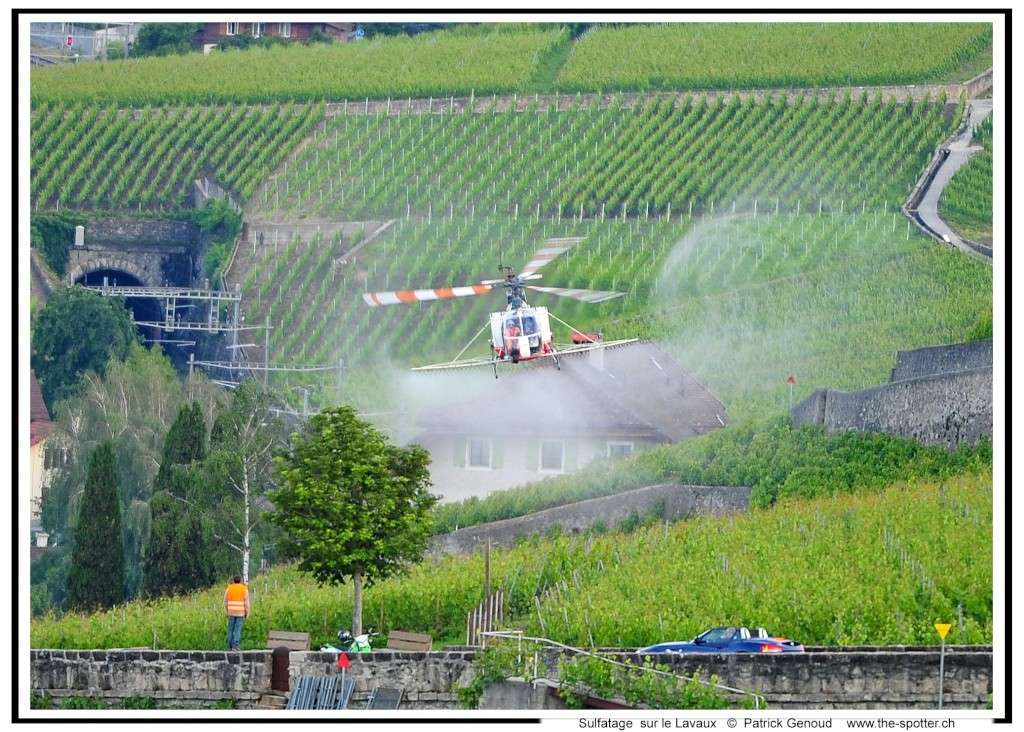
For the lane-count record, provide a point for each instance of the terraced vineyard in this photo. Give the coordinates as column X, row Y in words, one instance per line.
column 658, row 159
column 760, row 55
column 432, row 64
column 966, row 202
column 903, row 559
column 91, row 157
column 518, row 57
column 744, row 301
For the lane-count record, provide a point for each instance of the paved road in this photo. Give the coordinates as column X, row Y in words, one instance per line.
column 960, row 151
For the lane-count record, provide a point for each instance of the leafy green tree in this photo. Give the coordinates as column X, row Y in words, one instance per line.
column 116, row 50
column 220, row 224
column 162, row 39
column 134, row 405
column 96, row 576
column 52, row 235
column 77, row 331
column 353, row 506
column 239, row 471
column 185, row 444
column 177, row 557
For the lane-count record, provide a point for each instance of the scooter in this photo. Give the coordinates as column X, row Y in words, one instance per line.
column 349, row 644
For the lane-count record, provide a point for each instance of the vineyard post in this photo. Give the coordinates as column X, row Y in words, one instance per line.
column 266, row 350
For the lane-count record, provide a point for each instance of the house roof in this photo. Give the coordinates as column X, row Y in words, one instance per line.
column 632, row 390
column 41, row 425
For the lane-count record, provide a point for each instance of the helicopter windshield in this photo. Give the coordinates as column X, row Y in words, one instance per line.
column 529, row 325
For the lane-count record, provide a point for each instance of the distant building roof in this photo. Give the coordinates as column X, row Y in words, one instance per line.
column 41, row 425
column 633, row 390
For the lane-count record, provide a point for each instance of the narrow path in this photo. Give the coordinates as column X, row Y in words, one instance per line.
column 960, row 151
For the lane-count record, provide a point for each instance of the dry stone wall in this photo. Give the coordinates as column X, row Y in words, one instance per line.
column 670, row 502
column 940, row 395
column 874, row 679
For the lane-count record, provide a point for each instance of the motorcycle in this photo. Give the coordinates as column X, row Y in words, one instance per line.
column 348, row 643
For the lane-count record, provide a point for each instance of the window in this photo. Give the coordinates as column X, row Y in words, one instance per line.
column 231, row 30
column 620, row 449
column 284, row 30
column 54, row 457
column 257, row 29
column 552, row 455
column 478, row 454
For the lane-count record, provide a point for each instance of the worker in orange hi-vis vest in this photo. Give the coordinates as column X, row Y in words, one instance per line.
column 236, row 604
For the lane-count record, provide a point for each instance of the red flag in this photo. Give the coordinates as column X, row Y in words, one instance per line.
column 791, row 379
column 343, row 661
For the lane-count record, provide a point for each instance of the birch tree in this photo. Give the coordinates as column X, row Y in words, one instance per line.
column 240, row 469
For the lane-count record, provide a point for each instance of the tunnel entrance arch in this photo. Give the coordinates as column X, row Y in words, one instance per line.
column 144, row 309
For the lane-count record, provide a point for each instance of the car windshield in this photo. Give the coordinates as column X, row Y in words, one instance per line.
column 717, row 635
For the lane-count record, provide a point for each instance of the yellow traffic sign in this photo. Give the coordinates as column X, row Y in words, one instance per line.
column 943, row 629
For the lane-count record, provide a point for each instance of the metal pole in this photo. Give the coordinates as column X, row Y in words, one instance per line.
column 266, row 351
column 942, row 668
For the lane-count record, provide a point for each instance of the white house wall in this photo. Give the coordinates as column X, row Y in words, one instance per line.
column 456, row 482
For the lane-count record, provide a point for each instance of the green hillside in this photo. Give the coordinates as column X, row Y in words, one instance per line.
column 765, row 55
column 664, row 157
column 858, row 569
column 89, row 157
column 967, row 201
column 530, row 58
column 743, row 302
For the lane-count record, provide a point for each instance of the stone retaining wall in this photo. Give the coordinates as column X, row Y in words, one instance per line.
column 670, row 502
column 942, row 359
column 893, row 678
column 945, row 409
column 566, row 101
column 940, row 395
column 131, row 233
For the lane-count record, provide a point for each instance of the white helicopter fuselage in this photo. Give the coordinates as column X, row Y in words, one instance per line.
column 520, row 334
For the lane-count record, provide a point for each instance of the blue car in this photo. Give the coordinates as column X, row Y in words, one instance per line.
column 729, row 640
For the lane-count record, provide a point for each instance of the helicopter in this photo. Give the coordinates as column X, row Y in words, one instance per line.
column 521, row 332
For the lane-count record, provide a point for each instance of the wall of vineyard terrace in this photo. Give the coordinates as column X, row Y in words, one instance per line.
column 942, row 359
column 886, row 678
column 943, row 409
column 669, row 502
column 566, row 102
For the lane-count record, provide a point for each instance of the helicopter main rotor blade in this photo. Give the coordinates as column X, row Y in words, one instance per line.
column 591, row 296
column 503, row 280
column 555, row 246
column 373, row 299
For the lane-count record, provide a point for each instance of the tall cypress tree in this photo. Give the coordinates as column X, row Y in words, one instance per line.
column 96, row 577
column 177, row 556
column 185, row 443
